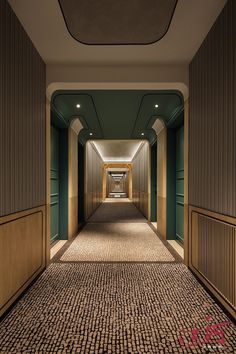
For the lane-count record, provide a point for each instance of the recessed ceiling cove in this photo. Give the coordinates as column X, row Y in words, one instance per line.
column 117, row 150
column 108, row 22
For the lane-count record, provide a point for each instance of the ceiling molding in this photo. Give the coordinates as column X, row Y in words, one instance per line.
column 177, row 86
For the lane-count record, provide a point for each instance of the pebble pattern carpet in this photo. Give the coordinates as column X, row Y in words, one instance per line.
column 102, row 306
column 119, row 211
column 110, row 242
column 115, row 308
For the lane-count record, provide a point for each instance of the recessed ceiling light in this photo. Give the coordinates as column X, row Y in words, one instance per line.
column 78, row 106
column 142, row 134
column 156, row 105
column 90, row 133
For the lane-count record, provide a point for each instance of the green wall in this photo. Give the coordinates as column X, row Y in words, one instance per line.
column 59, row 181
column 175, row 184
column 179, row 173
column 171, row 185
column 55, row 182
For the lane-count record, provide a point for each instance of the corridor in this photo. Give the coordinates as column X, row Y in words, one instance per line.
column 116, row 288
column 117, row 176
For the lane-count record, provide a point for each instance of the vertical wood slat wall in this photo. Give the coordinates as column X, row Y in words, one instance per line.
column 140, row 180
column 212, row 158
column 22, row 118
column 22, row 159
column 93, row 180
column 214, row 253
column 73, row 183
column 212, row 124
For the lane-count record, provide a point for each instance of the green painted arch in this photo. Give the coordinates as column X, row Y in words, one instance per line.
column 117, row 114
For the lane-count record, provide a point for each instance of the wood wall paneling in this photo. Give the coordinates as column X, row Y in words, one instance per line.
column 48, row 181
column 93, row 180
column 213, row 253
column 22, row 159
column 212, row 159
column 212, row 124
column 141, row 180
column 161, row 181
column 186, row 182
column 22, row 118
column 22, row 252
column 73, row 183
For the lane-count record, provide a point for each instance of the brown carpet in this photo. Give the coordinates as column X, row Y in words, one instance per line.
column 115, row 308
column 120, row 242
column 99, row 308
column 117, row 211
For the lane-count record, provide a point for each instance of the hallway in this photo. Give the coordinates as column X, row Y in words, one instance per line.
column 116, row 288
column 117, row 176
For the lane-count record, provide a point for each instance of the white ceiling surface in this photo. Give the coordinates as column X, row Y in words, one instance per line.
column 117, row 150
column 43, row 21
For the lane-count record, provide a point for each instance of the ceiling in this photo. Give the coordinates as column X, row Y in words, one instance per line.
column 117, row 169
column 117, row 150
column 44, row 23
column 116, row 114
column 117, row 22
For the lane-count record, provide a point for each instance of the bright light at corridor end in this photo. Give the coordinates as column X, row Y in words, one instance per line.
column 156, row 105
column 142, row 134
column 117, row 151
column 78, row 105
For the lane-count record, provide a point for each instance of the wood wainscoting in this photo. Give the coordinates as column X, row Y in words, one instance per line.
column 22, row 252
column 212, row 253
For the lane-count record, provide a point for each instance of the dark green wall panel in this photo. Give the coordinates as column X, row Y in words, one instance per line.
column 55, row 183
column 179, row 187
column 171, row 186
column 175, row 184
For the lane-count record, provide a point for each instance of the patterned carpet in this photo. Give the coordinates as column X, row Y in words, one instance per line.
column 123, row 307
column 110, row 242
column 114, row 308
column 118, row 211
